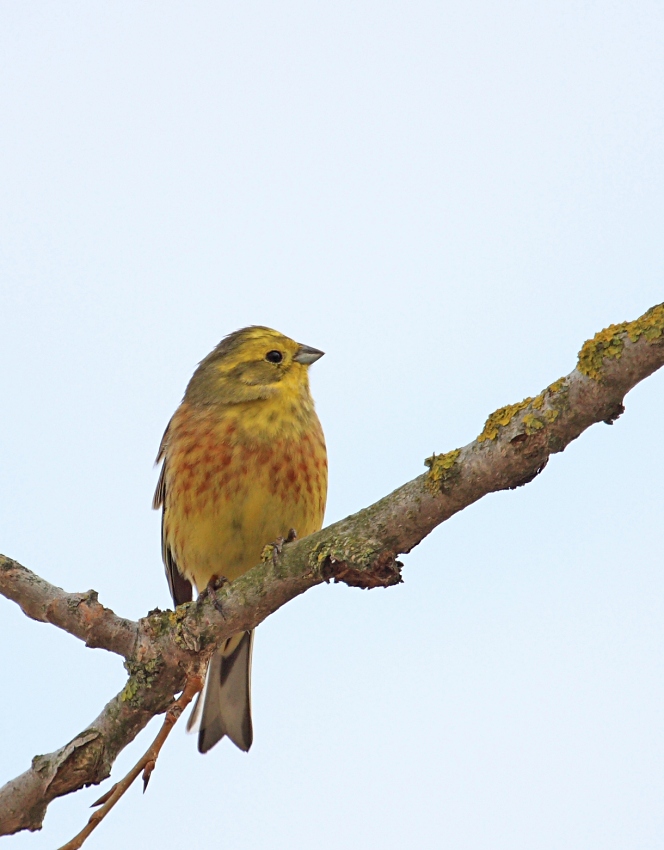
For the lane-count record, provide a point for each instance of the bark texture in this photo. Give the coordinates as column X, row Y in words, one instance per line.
column 164, row 648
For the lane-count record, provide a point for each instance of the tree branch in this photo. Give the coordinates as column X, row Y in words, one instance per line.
column 145, row 765
column 165, row 648
column 80, row 614
column 85, row 760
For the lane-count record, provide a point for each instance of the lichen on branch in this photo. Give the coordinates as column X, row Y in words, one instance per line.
column 610, row 342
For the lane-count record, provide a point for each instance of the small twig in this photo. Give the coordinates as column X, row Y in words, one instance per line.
column 146, row 764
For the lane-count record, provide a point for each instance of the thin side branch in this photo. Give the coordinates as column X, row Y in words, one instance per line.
column 80, row 614
column 165, row 648
column 145, row 765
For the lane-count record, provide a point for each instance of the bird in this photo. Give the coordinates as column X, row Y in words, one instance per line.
column 243, row 465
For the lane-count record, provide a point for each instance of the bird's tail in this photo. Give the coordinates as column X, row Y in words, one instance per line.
column 227, row 695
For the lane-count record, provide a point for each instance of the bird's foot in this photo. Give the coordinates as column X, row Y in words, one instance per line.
column 211, row 588
column 272, row 551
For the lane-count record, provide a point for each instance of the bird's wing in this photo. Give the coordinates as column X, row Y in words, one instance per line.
column 179, row 586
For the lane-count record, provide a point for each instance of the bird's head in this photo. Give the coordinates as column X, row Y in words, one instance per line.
column 250, row 364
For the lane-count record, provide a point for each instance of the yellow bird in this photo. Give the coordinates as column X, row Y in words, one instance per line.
column 244, row 462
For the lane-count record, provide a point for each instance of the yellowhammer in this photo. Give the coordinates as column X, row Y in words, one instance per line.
column 244, row 462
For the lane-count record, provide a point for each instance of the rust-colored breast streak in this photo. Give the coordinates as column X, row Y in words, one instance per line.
column 230, row 492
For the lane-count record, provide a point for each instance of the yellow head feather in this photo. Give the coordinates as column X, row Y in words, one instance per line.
column 251, row 364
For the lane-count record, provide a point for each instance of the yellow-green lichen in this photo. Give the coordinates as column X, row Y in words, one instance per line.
column 557, row 386
column 552, row 389
column 141, row 675
column 532, row 423
column 553, row 394
column 610, row 342
column 129, row 691
column 270, row 551
column 346, row 549
column 500, row 418
column 324, row 551
column 441, row 469
column 162, row 623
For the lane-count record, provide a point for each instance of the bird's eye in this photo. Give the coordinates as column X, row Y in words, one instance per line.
column 274, row 356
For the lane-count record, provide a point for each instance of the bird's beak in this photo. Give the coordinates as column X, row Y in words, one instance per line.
column 307, row 355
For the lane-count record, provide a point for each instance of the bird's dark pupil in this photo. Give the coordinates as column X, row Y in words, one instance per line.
column 274, row 356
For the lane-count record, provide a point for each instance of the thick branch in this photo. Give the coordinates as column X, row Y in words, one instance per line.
column 85, row 760
column 80, row 614
column 514, row 447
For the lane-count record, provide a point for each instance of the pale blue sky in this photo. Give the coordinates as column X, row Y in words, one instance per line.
column 448, row 198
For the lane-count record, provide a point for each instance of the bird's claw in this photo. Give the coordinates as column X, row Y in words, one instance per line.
column 273, row 550
column 211, row 588
column 277, row 549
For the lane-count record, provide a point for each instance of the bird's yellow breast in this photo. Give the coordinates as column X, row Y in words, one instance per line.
column 237, row 478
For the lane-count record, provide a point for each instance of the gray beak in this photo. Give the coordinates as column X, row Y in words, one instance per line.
column 307, row 355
